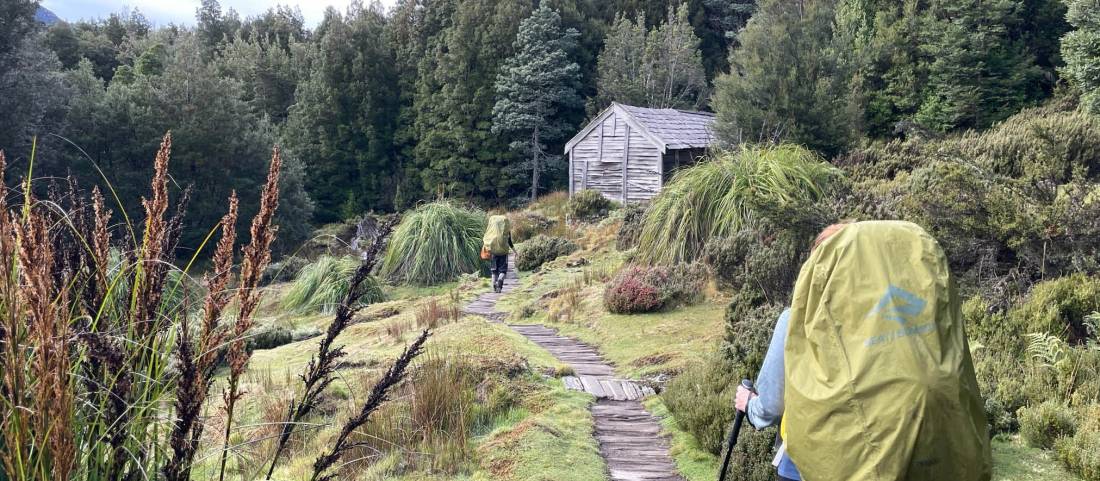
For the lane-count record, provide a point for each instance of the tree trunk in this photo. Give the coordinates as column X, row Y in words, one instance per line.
column 534, row 164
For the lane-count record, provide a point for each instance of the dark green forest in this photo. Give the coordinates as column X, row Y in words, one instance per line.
column 377, row 109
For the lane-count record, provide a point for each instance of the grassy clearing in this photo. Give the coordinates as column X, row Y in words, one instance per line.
column 639, row 345
column 554, row 443
column 1015, row 461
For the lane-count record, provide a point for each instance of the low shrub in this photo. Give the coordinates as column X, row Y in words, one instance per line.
column 269, row 337
column 321, row 285
column 526, row 225
column 750, row 320
column 588, row 205
column 766, row 257
column 638, row 289
column 1081, row 452
column 1041, row 425
column 1059, row 307
column 285, row 270
column 435, row 243
column 540, row 250
column 631, row 228
column 701, row 400
column 1040, row 145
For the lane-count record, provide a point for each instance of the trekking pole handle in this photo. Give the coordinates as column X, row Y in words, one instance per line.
column 738, row 419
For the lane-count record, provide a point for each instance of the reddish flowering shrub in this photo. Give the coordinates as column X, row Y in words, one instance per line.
column 638, row 289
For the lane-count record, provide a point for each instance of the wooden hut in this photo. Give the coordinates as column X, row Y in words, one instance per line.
column 628, row 153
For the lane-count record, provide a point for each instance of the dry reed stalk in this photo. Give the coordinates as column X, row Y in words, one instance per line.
column 13, row 379
column 49, row 340
column 197, row 361
column 151, row 267
column 257, row 255
column 379, row 394
column 319, row 372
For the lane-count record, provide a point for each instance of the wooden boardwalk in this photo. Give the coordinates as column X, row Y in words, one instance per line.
column 629, row 437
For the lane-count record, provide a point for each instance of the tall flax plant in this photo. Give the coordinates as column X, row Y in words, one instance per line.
column 719, row 196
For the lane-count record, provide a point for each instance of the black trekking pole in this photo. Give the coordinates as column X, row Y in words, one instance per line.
column 737, row 420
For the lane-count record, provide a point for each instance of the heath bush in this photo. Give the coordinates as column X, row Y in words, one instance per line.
column 1043, row 424
column 766, row 257
column 269, row 337
column 1058, row 307
column 631, row 228
column 750, row 320
column 588, row 205
column 526, row 225
column 540, row 250
column 1081, row 452
column 286, row 269
column 638, row 289
column 700, row 399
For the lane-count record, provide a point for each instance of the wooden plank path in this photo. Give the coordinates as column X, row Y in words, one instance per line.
column 629, row 437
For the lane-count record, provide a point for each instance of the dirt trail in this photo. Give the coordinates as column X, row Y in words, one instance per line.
column 628, row 435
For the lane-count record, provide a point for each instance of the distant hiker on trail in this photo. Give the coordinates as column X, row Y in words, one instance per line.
column 495, row 246
column 869, row 374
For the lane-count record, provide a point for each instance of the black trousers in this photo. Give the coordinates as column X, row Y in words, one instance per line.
column 499, row 264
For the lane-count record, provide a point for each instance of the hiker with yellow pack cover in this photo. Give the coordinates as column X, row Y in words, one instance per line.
column 494, row 248
column 878, row 383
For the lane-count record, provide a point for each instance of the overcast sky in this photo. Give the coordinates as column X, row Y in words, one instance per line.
column 183, row 11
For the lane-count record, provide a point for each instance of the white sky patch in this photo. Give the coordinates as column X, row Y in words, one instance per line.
column 183, row 11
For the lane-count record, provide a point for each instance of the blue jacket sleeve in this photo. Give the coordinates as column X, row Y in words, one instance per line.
column 766, row 409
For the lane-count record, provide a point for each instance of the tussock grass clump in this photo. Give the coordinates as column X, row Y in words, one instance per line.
column 321, row 286
column 717, row 197
column 435, row 243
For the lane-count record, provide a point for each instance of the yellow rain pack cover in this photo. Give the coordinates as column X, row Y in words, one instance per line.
column 496, row 235
column 879, row 380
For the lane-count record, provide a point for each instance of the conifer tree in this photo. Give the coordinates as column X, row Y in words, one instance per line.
column 1081, row 51
column 785, row 82
column 343, row 121
column 456, row 152
column 534, row 86
column 659, row 68
column 977, row 74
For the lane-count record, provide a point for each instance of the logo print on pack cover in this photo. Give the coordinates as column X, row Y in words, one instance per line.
column 898, row 305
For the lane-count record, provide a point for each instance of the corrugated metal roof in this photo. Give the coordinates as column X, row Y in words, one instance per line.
column 678, row 129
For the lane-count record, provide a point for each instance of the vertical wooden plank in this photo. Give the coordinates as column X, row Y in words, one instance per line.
column 626, row 161
column 572, row 172
column 584, row 177
column 602, row 124
column 660, row 171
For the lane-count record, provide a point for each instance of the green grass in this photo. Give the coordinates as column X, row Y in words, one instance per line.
column 639, row 344
column 553, row 444
column 435, row 243
column 1015, row 461
column 693, row 462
